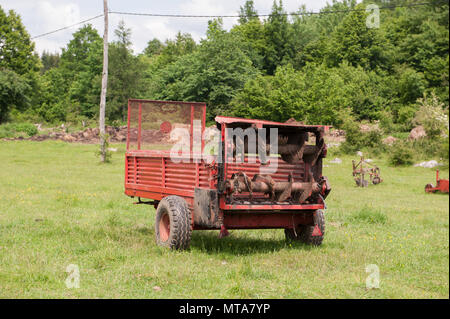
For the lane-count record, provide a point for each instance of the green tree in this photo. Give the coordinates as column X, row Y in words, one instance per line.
column 16, row 47
column 213, row 73
column 18, row 64
column 247, row 12
column 173, row 49
column 49, row 61
column 153, row 47
column 354, row 42
column 278, row 35
column 14, row 93
column 125, row 74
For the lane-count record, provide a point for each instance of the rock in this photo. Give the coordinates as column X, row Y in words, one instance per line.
column 336, row 161
column 390, row 140
column 429, row 164
column 417, row 133
column 336, row 133
column 69, row 138
column 368, row 127
column 365, row 128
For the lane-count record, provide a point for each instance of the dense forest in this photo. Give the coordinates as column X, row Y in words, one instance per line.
column 311, row 67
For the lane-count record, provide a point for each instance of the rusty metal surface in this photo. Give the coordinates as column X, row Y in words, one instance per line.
column 360, row 171
column 296, row 192
column 261, row 220
column 206, row 208
column 240, row 121
column 442, row 185
column 229, row 194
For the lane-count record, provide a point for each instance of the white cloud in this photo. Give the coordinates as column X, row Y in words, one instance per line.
column 57, row 15
column 41, row 16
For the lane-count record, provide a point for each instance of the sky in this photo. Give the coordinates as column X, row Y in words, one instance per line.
column 41, row 16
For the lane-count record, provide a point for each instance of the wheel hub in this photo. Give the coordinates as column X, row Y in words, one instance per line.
column 164, row 227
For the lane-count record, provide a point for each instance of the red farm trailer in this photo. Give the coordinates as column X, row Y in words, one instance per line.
column 238, row 174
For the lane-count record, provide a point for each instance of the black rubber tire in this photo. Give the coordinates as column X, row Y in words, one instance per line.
column 304, row 233
column 180, row 223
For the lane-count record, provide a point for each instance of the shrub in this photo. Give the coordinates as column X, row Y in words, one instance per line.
column 386, row 122
column 405, row 117
column 355, row 139
column 27, row 128
column 400, row 154
column 353, row 135
column 444, row 150
column 431, row 115
column 9, row 130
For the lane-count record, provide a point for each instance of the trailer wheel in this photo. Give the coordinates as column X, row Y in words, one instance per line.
column 173, row 223
column 312, row 235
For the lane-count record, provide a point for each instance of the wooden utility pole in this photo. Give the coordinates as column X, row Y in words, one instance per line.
column 104, row 84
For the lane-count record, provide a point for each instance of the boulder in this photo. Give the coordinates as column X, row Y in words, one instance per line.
column 429, row 164
column 120, row 137
column 417, row 133
column 389, row 140
column 69, row 138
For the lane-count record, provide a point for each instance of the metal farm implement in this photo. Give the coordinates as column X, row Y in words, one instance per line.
column 360, row 172
column 240, row 184
column 441, row 185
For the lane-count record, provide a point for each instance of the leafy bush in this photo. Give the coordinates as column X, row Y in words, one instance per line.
column 14, row 129
column 400, row 154
column 27, row 128
column 386, row 122
column 405, row 117
column 428, row 148
column 355, row 139
column 431, row 115
column 444, row 150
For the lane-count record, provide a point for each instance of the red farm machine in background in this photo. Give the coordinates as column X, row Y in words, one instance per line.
column 441, row 185
column 240, row 174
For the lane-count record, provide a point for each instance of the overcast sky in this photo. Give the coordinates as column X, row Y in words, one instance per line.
column 40, row 16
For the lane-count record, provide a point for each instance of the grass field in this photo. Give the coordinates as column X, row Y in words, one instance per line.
column 59, row 206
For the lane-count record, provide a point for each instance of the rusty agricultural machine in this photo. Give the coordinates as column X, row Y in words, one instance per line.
column 360, row 172
column 243, row 185
column 441, row 185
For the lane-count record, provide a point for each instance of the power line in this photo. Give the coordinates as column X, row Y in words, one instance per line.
column 236, row 16
column 67, row 27
column 268, row 15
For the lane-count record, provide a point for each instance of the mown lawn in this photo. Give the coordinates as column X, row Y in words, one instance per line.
column 59, row 206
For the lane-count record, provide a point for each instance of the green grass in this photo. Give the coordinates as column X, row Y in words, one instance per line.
column 59, row 206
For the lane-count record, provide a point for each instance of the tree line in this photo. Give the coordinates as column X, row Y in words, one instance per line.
column 311, row 67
